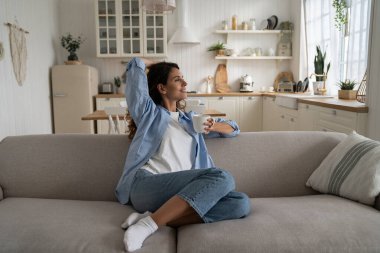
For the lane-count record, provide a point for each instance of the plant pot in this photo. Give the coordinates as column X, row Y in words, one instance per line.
column 121, row 89
column 72, row 57
column 347, row 94
column 220, row 52
column 317, row 86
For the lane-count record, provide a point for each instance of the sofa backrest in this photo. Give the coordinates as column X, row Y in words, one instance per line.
column 273, row 164
column 88, row 167
column 62, row 166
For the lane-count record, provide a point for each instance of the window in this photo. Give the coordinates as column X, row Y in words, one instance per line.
column 347, row 50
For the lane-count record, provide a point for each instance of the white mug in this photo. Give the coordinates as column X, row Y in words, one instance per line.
column 198, row 122
column 271, row 89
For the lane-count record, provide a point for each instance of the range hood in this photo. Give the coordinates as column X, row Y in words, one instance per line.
column 183, row 34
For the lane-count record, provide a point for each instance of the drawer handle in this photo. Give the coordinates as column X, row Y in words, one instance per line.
column 250, row 98
column 334, row 112
column 220, row 98
column 273, row 99
column 59, row 95
column 108, row 99
column 324, row 129
column 307, row 106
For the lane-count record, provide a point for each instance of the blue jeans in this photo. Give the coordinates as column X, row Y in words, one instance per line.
column 208, row 191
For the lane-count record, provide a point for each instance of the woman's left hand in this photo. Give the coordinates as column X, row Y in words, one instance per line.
column 209, row 125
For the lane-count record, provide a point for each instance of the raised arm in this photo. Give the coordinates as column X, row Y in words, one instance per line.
column 136, row 91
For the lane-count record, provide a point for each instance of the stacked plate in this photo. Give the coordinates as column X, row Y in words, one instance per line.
column 270, row 23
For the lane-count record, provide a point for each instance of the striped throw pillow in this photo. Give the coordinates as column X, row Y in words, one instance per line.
column 351, row 170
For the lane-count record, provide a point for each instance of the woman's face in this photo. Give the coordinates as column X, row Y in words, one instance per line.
column 175, row 88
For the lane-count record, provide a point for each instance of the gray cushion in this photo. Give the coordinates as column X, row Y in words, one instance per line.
column 318, row 223
column 46, row 225
column 273, row 164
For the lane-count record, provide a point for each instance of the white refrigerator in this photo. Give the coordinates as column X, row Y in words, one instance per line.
column 73, row 88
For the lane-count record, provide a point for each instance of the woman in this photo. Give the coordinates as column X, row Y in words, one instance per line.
column 169, row 176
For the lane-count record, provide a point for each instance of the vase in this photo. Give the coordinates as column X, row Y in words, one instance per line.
column 316, row 87
column 347, row 94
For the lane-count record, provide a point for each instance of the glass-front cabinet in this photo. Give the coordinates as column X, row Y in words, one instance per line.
column 123, row 29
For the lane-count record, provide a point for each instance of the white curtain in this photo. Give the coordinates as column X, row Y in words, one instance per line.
column 357, row 46
column 348, row 55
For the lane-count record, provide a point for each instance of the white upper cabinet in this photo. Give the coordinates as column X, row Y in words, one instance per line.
column 123, row 29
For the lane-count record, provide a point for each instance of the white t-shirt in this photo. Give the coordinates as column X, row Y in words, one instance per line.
column 176, row 151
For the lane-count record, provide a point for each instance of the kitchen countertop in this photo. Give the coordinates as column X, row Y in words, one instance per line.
column 335, row 103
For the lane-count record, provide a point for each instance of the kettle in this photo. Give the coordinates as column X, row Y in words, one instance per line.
column 246, row 83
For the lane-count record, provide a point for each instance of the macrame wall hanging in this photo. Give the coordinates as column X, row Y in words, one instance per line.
column 17, row 42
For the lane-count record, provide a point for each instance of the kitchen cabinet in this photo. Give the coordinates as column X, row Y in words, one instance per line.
column 245, row 110
column 123, row 29
column 335, row 120
column 227, row 105
column 270, row 114
column 101, row 103
column 250, row 114
column 306, row 117
column 234, row 38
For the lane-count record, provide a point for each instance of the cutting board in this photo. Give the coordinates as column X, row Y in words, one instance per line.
column 221, row 79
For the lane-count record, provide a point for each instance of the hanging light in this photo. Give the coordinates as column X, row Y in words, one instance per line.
column 158, row 6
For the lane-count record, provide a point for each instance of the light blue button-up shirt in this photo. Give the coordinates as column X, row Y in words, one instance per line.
column 152, row 121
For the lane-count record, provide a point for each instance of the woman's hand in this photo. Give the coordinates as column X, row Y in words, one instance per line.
column 212, row 126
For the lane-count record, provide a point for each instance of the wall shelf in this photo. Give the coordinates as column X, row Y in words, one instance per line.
column 253, row 57
column 252, row 31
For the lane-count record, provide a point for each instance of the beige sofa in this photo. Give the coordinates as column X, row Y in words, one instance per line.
column 58, row 196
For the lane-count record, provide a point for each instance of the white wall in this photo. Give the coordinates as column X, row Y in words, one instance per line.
column 26, row 109
column 373, row 89
column 194, row 60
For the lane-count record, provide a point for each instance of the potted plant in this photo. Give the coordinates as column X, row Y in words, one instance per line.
column 120, row 87
column 218, row 48
column 347, row 89
column 72, row 44
column 320, row 75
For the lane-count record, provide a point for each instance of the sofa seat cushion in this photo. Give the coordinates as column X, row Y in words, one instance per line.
column 317, row 223
column 49, row 225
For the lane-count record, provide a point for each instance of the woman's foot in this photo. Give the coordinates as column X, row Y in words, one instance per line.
column 137, row 233
column 133, row 218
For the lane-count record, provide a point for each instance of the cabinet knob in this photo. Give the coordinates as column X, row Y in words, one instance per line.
column 273, row 99
column 307, row 106
column 108, row 99
column 334, row 112
column 282, row 116
column 220, row 98
column 292, row 119
column 324, row 129
column 250, row 98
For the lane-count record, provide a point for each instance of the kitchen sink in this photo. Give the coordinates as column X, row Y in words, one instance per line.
column 290, row 100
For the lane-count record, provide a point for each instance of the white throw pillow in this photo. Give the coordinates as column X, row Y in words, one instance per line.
column 351, row 170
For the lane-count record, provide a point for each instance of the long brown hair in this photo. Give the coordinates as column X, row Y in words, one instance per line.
column 157, row 73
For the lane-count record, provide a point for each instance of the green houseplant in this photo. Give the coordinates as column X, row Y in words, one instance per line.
column 340, row 13
column 218, row 48
column 347, row 89
column 72, row 44
column 319, row 71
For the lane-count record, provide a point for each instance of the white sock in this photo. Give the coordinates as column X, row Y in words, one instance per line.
column 133, row 218
column 137, row 233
